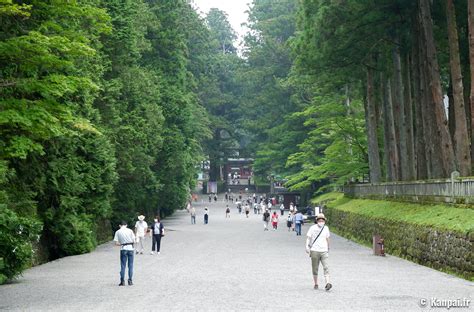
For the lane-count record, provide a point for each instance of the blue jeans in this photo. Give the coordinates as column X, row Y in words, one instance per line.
column 298, row 228
column 124, row 256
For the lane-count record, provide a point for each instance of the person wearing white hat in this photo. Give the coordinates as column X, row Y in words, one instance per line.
column 317, row 246
column 140, row 230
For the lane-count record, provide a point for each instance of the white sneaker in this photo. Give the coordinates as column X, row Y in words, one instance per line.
column 158, row 253
column 152, row 253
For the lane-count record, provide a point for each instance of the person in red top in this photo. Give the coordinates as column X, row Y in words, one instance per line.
column 274, row 220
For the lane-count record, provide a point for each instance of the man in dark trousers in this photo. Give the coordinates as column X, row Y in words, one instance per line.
column 156, row 232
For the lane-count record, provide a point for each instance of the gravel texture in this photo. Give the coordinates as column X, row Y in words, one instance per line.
column 230, row 264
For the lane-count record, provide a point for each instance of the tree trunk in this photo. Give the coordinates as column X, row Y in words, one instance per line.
column 420, row 145
column 434, row 79
column 409, row 121
column 386, row 168
column 399, row 111
column 371, row 125
column 461, row 136
column 470, row 5
column 451, row 117
column 389, row 129
column 433, row 167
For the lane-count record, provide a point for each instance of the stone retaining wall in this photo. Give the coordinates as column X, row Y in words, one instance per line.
column 443, row 250
column 456, row 191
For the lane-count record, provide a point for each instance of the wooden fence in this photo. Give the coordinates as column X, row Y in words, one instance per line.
column 459, row 191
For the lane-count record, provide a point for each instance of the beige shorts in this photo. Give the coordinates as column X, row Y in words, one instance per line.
column 316, row 258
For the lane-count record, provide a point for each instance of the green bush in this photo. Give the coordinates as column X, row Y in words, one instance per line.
column 74, row 234
column 79, row 184
column 3, row 278
column 16, row 235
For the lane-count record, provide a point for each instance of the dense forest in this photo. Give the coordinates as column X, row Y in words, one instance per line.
column 361, row 90
column 107, row 107
column 100, row 119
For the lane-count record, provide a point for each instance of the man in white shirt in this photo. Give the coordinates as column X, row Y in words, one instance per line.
column 317, row 246
column 141, row 228
column 125, row 238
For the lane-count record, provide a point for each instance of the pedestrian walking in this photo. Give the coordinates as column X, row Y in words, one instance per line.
column 193, row 215
column 247, row 210
column 210, row 198
column 206, row 215
column 141, row 228
column 282, row 209
column 227, row 211
column 156, row 232
column 317, row 246
column 298, row 223
column 226, row 197
column 215, row 197
column 270, row 206
column 275, row 221
column 266, row 219
column 292, row 208
column 289, row 222
column 125, row 238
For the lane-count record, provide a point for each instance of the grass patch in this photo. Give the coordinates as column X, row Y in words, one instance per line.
column 330, row 199
column 440, row 216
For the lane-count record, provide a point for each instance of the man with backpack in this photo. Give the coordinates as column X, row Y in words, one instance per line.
column 317, row 246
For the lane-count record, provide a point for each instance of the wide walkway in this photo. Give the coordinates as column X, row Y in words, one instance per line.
column 230, row 264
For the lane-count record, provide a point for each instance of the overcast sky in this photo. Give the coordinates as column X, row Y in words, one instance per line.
column 235, row 9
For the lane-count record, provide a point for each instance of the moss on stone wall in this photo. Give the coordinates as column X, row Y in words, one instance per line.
column 448, row 248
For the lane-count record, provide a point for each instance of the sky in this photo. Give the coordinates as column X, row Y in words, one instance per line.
column 234, row 8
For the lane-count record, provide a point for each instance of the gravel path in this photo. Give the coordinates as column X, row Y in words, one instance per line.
column 230, row 264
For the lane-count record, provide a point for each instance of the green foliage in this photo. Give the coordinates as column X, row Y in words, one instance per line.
column 130, row 108
column 16, row 234
column 266, row 110
column 335, row 147
column 221, row 30
column 7, row 7
column 79, row 176
column 217, row 86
